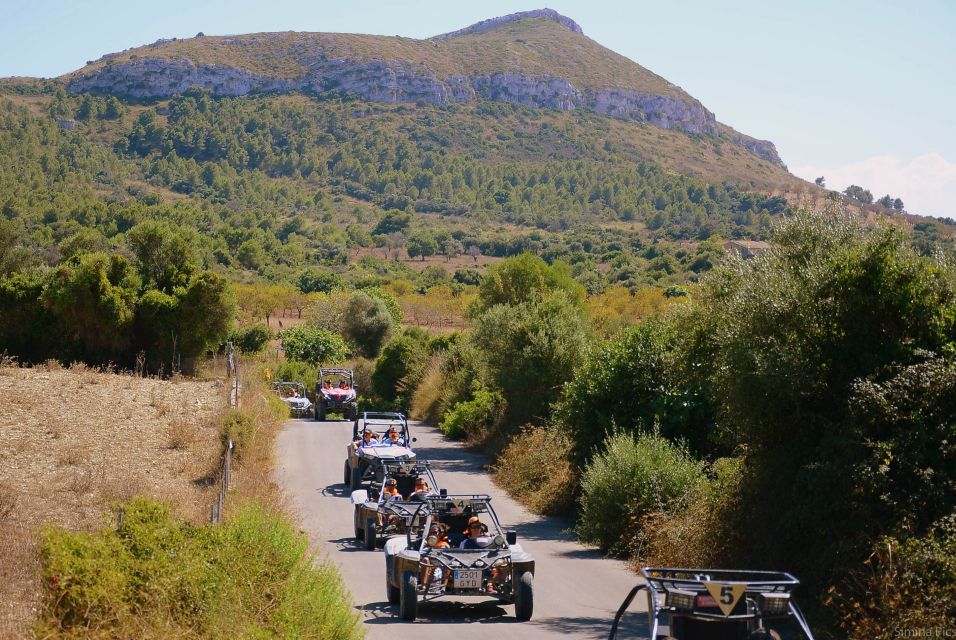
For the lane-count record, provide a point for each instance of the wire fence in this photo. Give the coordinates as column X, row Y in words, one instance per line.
column 235, row 387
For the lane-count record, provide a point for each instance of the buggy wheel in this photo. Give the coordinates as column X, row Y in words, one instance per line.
column 355, row 480
column 359, row 531
column 320, row 411
column 524, row 595
column 370, row 534
column 347, row 476
column 408, row 597
column 394, row 593
column 351, row 411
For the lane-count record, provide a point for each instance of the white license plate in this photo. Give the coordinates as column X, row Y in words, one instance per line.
column 467, row 579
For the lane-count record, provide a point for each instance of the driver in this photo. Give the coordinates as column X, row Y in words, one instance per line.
column 420, row 491
column 393, row 437
column 473, row 531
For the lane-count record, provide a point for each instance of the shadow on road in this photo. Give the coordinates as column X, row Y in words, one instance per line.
column 337, row 490
column 440, row 612
column 449, row 459
column 348, row 545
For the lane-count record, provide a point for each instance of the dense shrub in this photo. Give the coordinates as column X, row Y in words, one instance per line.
column 252, row 338
column 313, row 344
column 523, row 279
column 907, row 585
column 239, row 427
column 630, row 382
column 295, row 371
column 629, row 479
column 813, row 351
column 367, row 323
column 531, row 349
column 474, row 418
column 399, row 367
column 158, row 577
column 536, row 467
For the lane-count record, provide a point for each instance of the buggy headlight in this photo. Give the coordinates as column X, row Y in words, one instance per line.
column 773, row 604
column 480, row 563
column 680, row 600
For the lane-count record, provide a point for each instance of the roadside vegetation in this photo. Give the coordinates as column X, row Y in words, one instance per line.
column 161, row 570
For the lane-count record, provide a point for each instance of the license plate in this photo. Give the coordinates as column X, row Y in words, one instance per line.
column 467, row 579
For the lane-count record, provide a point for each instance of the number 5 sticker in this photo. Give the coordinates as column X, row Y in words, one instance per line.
column 726, row 595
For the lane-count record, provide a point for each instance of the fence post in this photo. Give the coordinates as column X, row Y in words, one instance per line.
column 227, row 468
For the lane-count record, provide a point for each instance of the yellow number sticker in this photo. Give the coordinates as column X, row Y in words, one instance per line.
column 726, row 595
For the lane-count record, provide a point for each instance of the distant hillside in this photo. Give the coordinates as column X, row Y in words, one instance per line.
column 535, row 58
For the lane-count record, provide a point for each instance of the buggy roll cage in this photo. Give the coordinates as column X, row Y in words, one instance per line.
column 661, row 580
column 430, row 510
column 380, row 420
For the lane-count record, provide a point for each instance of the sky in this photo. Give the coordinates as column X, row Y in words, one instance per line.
column 857, row 92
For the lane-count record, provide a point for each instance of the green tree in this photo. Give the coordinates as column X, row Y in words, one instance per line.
column 422, row 243
column 531, row 349
column 318, row 280
column 94, row 296
column 167, row 256
column 392, row 221
column 314, row 345
column 398, row 367
column 784, row 343
column 367, row 323
column 525, row 278
column 859, row 194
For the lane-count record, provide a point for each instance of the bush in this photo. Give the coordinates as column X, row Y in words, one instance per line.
column 313, row 345
column 476, row 417
column 251, row 339
column 426, row 401
column 908, row 585
column 398, row 368
column 628, row 480
column 698, row 533
column 240, row 428
column 531, row 349
column 536, row 468
column 296, row 370
column 367, row 323
column 158, row 577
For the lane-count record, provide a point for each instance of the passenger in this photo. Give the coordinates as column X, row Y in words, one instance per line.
column 438, row 532
column 327, row 384
column 344, row 385
column 369, row 439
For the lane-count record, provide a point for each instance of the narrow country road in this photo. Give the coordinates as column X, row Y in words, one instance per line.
column 576, row 590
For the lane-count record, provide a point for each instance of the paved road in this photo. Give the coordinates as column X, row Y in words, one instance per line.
column 576, row 590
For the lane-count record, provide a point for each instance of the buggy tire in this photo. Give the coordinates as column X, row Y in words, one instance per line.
column 351, row 411
column 370, row 534
column 408, row 597
column 355, row 479
column 524, row 596
column 359, row 531
column 320, row 411
column 347, row 476
column 394, row 593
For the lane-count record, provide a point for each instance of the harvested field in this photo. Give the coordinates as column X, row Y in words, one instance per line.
column 75, row 441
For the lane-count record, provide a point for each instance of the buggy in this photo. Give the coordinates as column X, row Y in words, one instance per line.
column 362, row 456
column 714, row 604
column 435, row 559
column 335, row 392
column 294, row 395
column 378, row 516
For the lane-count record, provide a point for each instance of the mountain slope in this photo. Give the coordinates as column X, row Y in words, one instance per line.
column 537, row 58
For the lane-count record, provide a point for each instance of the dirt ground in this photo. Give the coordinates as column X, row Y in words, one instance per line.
column 74, row 442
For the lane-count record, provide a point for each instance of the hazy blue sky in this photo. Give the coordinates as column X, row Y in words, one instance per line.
column 856, row 91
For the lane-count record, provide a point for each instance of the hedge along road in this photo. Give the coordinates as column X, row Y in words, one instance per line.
column 576, row 591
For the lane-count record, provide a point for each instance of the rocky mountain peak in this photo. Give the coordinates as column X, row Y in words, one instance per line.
column 491, row 23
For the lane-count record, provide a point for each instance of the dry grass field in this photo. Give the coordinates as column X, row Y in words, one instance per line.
column 73, row 442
